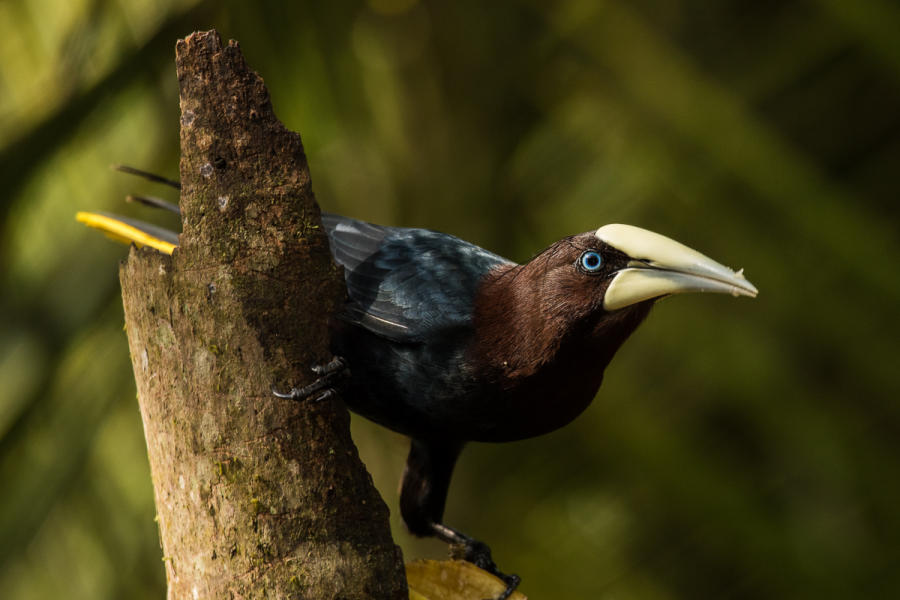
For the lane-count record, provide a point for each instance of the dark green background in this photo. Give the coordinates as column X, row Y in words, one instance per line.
column 738, row 449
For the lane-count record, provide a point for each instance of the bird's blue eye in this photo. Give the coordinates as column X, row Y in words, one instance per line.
column 591, row 261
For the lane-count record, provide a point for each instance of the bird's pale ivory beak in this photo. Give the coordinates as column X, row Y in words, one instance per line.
column 660, row 266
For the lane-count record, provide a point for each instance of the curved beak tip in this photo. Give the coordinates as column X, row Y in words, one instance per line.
column 742, row 287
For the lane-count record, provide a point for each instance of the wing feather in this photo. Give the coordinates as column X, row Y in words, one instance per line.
column 406, row 284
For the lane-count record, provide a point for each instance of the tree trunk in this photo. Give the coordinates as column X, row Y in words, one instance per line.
column 256, row 496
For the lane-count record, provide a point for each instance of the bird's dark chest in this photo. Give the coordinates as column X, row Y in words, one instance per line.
column 525, row 403
column 545, row 372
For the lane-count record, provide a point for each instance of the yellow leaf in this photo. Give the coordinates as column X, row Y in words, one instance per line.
column 453, row 580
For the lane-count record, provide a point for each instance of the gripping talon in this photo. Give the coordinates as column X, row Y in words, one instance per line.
column 479, row 554
column 328, row 377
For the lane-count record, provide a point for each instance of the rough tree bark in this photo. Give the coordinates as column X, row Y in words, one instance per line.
column 256, row 496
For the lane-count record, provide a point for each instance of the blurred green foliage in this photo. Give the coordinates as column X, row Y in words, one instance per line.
column 738, row 449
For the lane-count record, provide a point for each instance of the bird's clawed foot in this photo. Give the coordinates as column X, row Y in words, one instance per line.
column 324, row 387
column 479, row 554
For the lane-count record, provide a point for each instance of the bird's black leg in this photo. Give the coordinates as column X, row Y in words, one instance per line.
column 330, row 375
column 423, row 494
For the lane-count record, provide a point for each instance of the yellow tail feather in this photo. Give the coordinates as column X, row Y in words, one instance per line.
column 122, row 232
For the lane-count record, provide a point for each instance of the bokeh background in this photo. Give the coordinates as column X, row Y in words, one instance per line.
column 738, row 449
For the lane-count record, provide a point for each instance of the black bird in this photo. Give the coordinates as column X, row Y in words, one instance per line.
column 448, row 343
